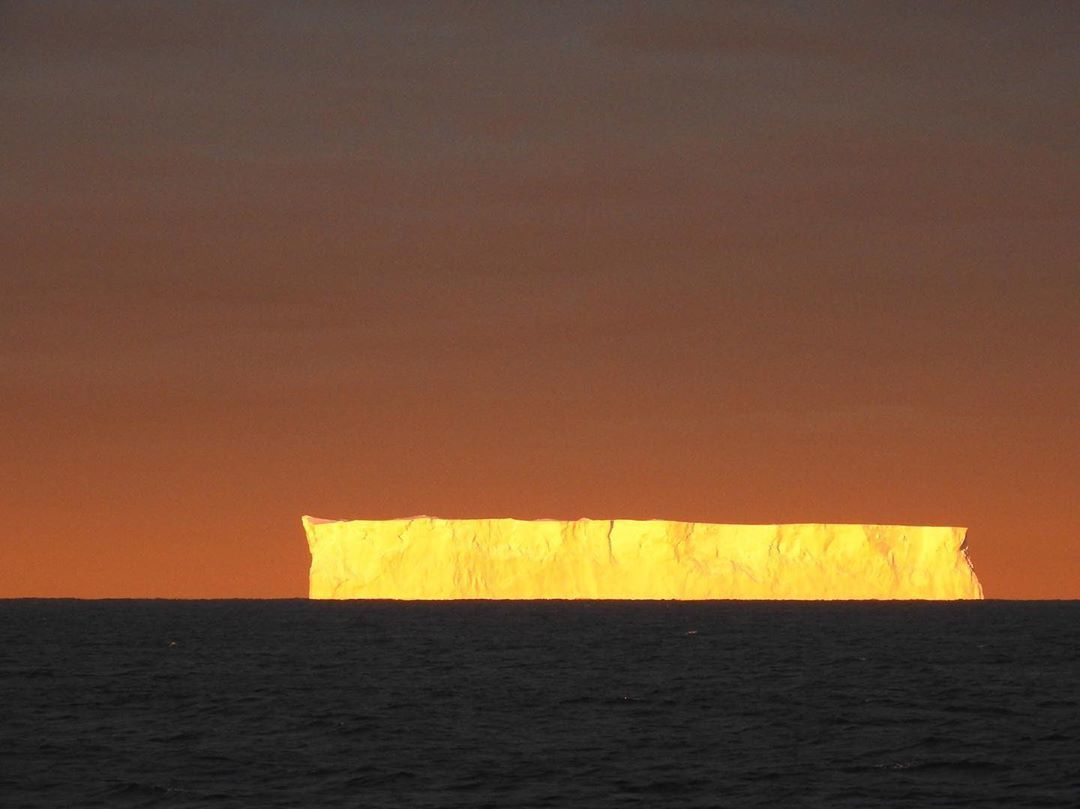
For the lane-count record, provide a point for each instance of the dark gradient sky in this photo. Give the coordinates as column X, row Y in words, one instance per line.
column 728, row 262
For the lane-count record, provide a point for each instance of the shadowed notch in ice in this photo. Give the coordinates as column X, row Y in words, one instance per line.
column 432, row 558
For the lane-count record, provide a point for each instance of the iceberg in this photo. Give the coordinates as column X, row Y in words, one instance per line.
column 429, row 558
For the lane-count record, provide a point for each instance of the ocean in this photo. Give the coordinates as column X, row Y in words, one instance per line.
column 534, row 704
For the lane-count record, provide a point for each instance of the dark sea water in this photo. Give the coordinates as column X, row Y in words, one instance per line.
column 601, row 704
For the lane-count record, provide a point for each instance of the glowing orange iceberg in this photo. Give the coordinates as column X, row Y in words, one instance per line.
column 432, row 558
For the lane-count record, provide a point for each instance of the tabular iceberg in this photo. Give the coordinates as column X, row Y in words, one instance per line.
column 422, row 558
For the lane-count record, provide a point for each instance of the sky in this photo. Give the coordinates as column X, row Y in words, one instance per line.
column 729, row 262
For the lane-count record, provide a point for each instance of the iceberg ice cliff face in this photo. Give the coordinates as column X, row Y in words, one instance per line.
column 432, row 558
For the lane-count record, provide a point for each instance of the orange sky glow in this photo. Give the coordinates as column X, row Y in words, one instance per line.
column 733, row 264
